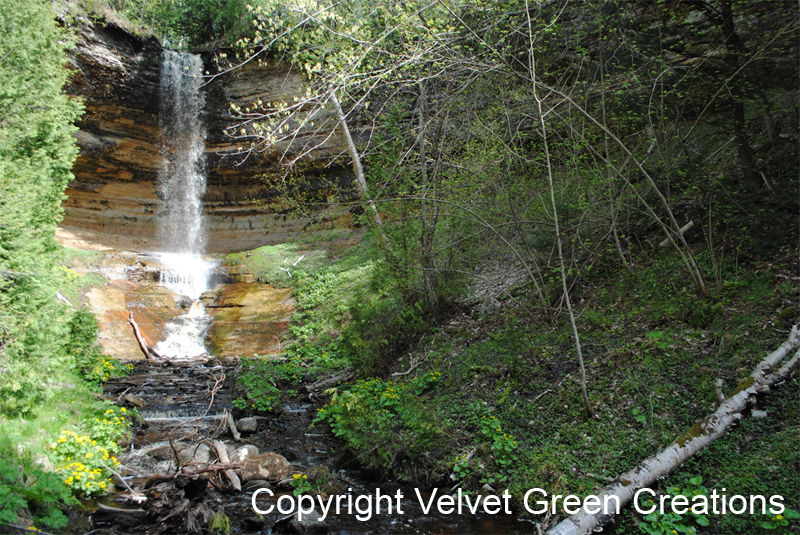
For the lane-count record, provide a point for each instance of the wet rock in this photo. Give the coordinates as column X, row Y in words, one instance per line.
column 161, row 453
column 290, row 455
column 114, row 200
column 249, row 318
column 311, row 523
column 198, row 454
column 253, row 524
column 269, row 466
column 127, row 520
column 135, row 400
column 243, row 453
column 247, row 425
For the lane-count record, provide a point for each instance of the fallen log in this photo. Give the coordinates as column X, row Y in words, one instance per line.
column 683, row 229
column 222, row 454
column 118, row 511
column 698, row 437
column 146, row 349
column 327, row 382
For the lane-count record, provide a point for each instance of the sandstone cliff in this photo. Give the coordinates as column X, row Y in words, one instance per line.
column 114, row 201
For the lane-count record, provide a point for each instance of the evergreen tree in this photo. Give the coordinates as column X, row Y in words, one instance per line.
column 37, row 151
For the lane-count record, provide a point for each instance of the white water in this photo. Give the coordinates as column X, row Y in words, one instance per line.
column 181, row 186
column 186, row 274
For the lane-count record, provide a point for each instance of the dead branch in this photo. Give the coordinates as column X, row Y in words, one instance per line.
column 232, row 426
column 222, row 454
column 146, row 349
column 683, row 229
column 118, row 511
column 328, row 382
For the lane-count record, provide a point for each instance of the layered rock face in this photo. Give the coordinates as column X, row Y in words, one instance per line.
column 113, row 203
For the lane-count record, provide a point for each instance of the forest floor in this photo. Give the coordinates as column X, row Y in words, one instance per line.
column 491, row 396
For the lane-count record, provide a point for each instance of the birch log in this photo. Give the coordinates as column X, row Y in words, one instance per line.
column 698, row 437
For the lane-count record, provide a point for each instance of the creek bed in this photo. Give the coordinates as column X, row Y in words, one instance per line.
column 177, row 400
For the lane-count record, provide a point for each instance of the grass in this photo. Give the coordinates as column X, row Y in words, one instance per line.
column 653, row 352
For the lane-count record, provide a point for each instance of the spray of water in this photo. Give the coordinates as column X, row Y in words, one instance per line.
column 181, row 187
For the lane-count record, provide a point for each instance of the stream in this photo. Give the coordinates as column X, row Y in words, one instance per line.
column 176, row 399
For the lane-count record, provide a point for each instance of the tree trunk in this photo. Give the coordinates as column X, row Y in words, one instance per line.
column 426, row 237
column 697, row 438
column 361, row 182
column 587, row 404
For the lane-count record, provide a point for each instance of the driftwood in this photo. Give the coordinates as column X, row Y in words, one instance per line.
column 146, row 349
column 117, row 511
column 222, row 454
column 328, row 382
column 698, row 437
column 232, row 426
column 180, row 505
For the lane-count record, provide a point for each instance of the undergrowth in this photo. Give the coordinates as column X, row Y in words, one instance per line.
column 506, row 409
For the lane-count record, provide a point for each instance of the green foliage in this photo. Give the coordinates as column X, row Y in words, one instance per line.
column 503, row 445
column 669, row 523
column 255, row 379
column 36, row 154
column 203, row 21
column 85, row 461
column 301, row 485
column 24, row 486
column 777, row 521
column 639, row 417
column 382, row 329
column 220, row 523
column 114, row 425
column 461, row 468
column 384, row 422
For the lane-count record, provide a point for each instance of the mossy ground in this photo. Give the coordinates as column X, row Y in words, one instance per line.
column 653, row 350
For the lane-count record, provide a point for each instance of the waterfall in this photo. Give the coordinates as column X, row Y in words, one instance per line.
column 182, row 183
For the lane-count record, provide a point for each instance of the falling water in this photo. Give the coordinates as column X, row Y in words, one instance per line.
column 181, row 186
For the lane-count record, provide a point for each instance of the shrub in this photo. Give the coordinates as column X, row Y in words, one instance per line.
column 26, row 487
column 383, row 421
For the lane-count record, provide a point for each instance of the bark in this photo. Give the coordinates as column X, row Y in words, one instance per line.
column 733, row 41
column 611, row 204
column 361, row 182
column 426, row 237
column 697, row 438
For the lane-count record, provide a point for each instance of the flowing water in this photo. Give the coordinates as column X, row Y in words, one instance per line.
column 181, row 186
column 186, row 400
